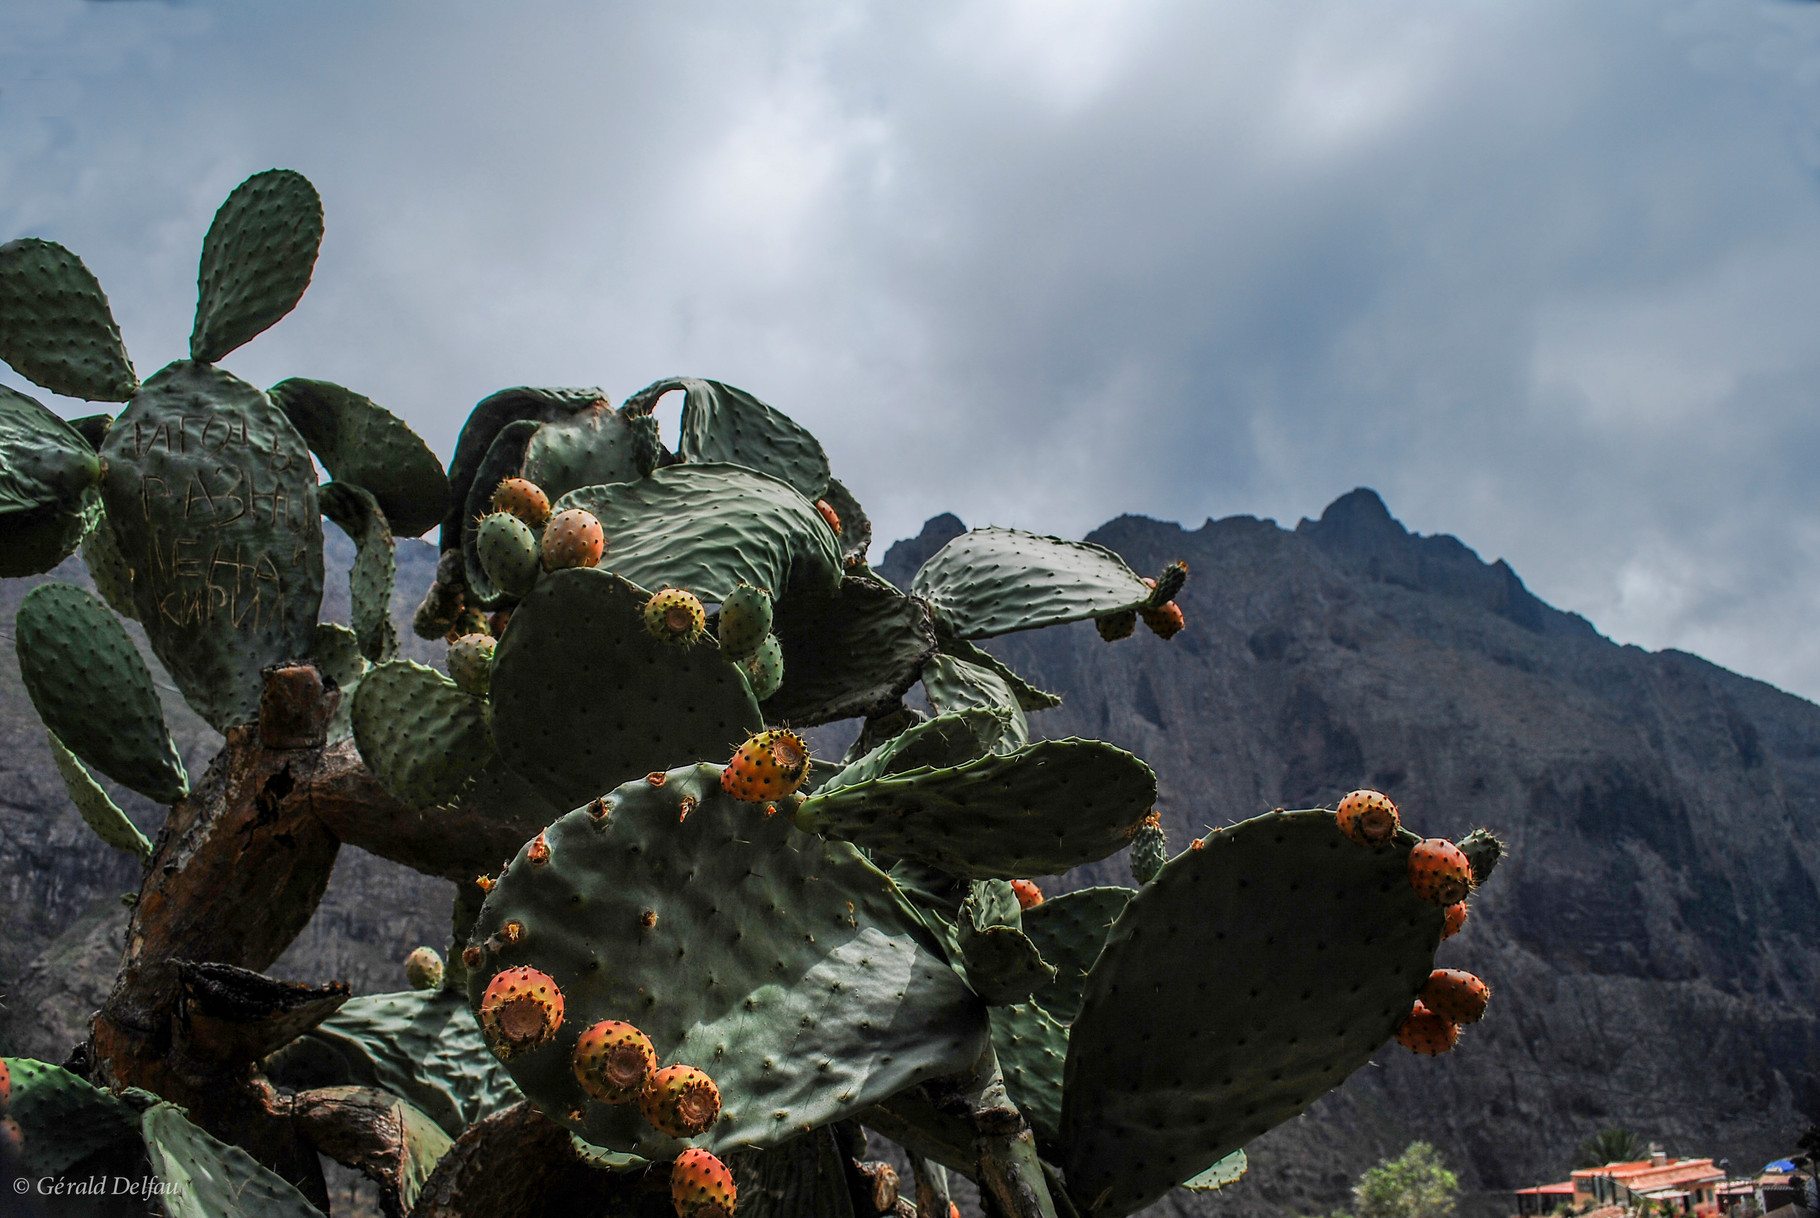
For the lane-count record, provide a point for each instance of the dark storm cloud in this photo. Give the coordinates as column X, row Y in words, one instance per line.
column 1541, row 273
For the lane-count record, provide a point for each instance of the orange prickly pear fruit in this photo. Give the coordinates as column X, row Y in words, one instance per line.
column 521, row 1009
column 1427, row 1032
column 1438, row 872
column 523, row 499
column 768, row 766
column 1456, row 994
column 613, row 1061
column 680, row 1101
column 1029, row 896
column 701, row 1186
column 573, row 539
column 1368, row 817
column 1456, row 918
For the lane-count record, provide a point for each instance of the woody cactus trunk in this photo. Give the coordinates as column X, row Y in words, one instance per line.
column 708, row 962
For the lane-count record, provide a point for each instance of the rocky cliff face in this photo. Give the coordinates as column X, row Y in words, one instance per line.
column 1652, row 942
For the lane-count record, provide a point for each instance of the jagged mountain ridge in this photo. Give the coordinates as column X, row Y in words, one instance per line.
column 1653, row 942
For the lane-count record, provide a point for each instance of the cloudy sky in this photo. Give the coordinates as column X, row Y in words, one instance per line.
column 1545, row 273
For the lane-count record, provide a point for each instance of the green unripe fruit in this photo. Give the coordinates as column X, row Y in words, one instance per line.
column 508, row 552
column 745, row 620
column 471, row 663
column 1149, row 849
column 675, row 616
column 423, row 969
column 765, row 670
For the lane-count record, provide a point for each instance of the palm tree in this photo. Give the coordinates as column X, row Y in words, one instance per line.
column 1610, row 1146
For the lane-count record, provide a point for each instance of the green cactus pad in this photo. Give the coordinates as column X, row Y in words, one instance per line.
column 803, row 1178
column 724, row 424
column 1038, row 811
column 423, row 1046
column 91, row 687
column 212, row 497
column 420, row 735
column 1029, row 697
column 361, row 442
column 1032, row 1050
column 788, row 968
column 44, row 462
column 205, row 1177
column 99, row 812
column 1226, row 1171
column 34, row 542
column 993, row 581
column 1069, row 931
column 64, row 1120
column 375, row 568
column 856, row 529
column 256, row 260
column 1262, row 969
column 55, row 327
column 336, row 654
column 503, row 460
column 708, row 528
column 956, row 685
column 941, row 742
column 853, row 653
column 484, row 424
column 585, row 699
column 107, row 566
column 587, row 448
column 1003, row 965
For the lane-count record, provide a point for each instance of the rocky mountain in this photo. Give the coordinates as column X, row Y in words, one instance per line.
column 1653, row 940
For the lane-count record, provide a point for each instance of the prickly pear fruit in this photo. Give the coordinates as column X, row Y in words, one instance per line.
column 508, row 552
column 745, row 620
column 1368, row 817
column 829, row 515
column 1438, row 872
column 680, row 1101
column 1427, row 1032
column 1116, row 626
column 523, row 499
column 573, row 539
column 701, row 1186
column 12, row 1138
column 675, row 616
column 423, row 969
column 765, row 668
column 1482, row 852
column 496, row 623
column 6, row 1086
column 1456, row 918
column 465, row 621
column 471, row 663
column 769, row 765
column 1149, row 849
column 1029, row 896
column 1456, row 994
column 521, row 1009
column 1165, row 617
column 613, row 1061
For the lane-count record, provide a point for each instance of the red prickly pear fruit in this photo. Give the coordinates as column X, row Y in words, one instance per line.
column 675, row 616
column 1427, row 1032
column 1456, row 918
column 1165, row 621
column 1438, row 872
column 423, row 969
column 767, row 766
column 1116, row 626
column 573, row 538
column 1368, row 817
column 701, row 1186
column 829, row 514
column 613, row 1061
column 680, row 1101
column 471, row 664
column 521, row 1009
column 1456, row 994
column 523, row 499
column 1029, row 896
column 6, row 1085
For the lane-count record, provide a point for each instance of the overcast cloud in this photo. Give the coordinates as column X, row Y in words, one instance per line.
column 1545, row 273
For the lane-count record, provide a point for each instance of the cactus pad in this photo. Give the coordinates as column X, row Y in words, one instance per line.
column 256, row 260
column 708, row 528
column 587, row 448
column 493, row 414
column 206, row 1177
column 1038, row 811
column 1029, row 697
column 107, row 566
column 1069, row 931
column 786, row 967
column 419, row 734
column 500, row 463
column 91, row 687
column 43, row 460
column 856, row 528
column 357, row 513
column 1032, row 1048
column 212, row 497
column 98, row 812
column 993, row 581
column 721, row 423
column 55, row 327
column 1003, row 965
column 1226, row 1171
column 584, row 698
column 63, row 1118
column 941, row 742
column 361, row 442
column 958, row 685
column 1246, row 980
column 852, row 653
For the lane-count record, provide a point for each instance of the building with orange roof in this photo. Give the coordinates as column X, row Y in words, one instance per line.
column 1690, row 1186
